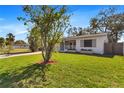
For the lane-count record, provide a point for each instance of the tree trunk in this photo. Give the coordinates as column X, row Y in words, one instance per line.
column 116, row 37
column 113, row 48
column 47, row 56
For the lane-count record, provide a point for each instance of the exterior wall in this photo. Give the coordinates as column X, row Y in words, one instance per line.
column 99, row 49
column 64, row 47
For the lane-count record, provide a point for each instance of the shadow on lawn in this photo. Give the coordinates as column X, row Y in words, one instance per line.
column 30, row 76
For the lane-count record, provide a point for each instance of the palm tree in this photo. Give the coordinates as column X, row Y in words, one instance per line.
column 1, row 42
column 10, row 40
column 93, row 23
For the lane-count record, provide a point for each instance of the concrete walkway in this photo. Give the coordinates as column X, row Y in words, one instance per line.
column 14, row 55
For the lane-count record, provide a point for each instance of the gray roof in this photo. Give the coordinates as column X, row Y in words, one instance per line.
column 85, row 36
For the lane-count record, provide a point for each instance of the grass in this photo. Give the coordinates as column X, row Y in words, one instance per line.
column 19, row 50
column 72, row 70
column 15, row 51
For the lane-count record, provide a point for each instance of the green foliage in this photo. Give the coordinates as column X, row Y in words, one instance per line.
column 5, row 51
column 109, row 21
column 2, row 42
column 10, row 39
column 71, row 70
column 78, row 31
column 19, row 42
column 73, row 31
column 51, row 21
column 34, row 39
column 9, row 42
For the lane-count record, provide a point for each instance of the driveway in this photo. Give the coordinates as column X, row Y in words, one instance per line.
column 14, row 55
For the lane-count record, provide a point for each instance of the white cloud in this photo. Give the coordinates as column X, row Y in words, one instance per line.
column 19, row 30
column 16, row 29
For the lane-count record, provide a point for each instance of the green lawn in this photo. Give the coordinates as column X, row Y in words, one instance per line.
column 15, row 51
column 19, row 50
column 71, row 70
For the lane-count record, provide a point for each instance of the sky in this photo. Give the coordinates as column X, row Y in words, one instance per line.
column 81, row 15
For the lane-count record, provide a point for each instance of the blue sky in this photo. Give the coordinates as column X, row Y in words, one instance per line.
column 8, row 18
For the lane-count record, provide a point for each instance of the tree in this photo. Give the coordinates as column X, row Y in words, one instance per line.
column 116, row 26
column 74, row 31
column 2, row 41
column 10, row 41
column 78, row 31
column 34, row 39
column 19, row 42
column 69, row 32
column 51, row 22
column 87, row 30
column 109, row 21
column 94, row 25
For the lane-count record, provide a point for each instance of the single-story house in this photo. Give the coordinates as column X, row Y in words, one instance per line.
column 93, row 43
column 22, row 46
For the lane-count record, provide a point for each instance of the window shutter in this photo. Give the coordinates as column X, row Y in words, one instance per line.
column 81, row 43
column 94, row 43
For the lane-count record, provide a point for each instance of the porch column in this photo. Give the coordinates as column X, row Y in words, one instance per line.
column 78, row 45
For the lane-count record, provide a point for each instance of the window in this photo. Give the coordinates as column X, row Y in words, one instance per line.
column 87, row 43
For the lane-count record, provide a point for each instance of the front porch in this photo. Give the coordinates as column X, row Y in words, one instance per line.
column 75, row 46
column 70, row 46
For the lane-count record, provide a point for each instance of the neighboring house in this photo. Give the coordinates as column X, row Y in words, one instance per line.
column 24, row 46
column 93, row 43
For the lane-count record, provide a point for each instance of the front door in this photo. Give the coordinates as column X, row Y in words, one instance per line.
column 72, row 45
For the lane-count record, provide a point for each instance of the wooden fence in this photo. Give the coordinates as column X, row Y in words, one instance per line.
column 114, row 48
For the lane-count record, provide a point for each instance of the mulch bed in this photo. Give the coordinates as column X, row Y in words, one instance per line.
column 49, row 62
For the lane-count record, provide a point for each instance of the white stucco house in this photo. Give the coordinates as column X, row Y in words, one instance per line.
column 93, row 43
